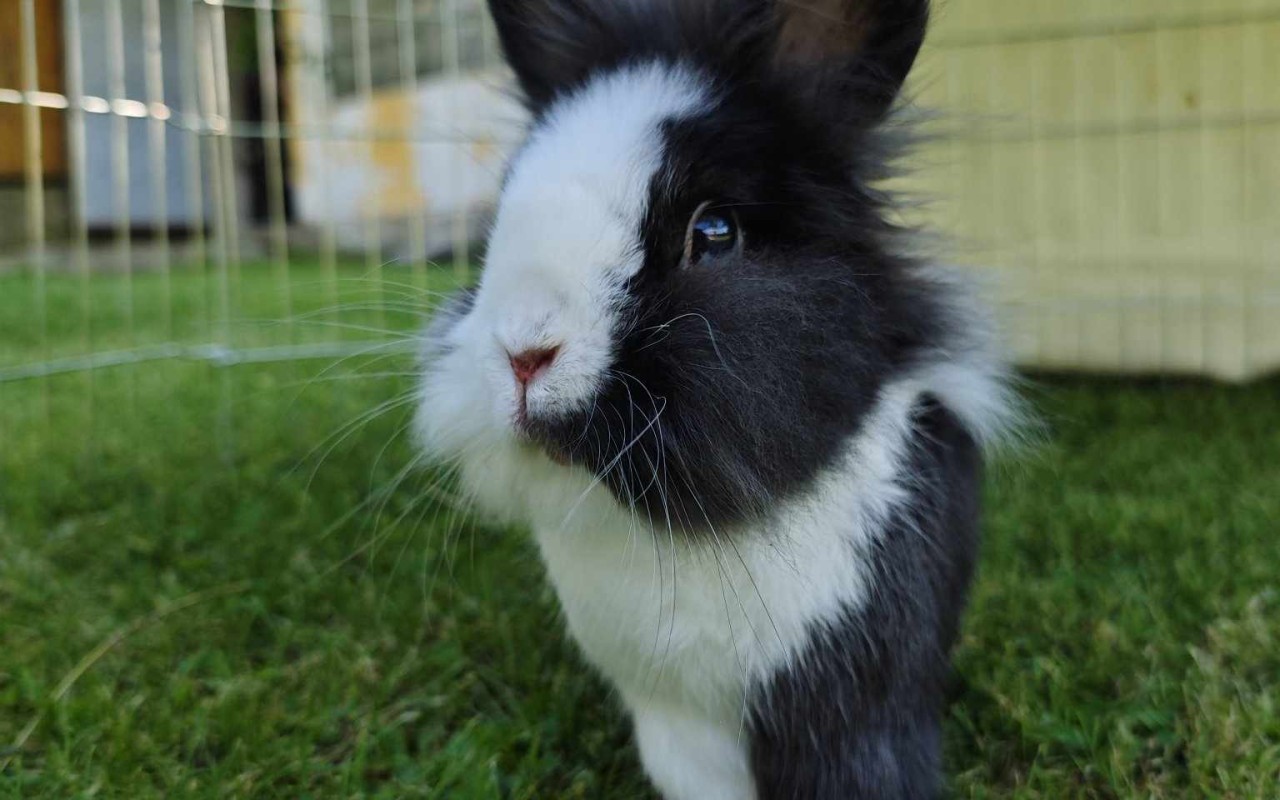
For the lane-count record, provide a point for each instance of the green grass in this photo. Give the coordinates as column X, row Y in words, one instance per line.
column 287, row 622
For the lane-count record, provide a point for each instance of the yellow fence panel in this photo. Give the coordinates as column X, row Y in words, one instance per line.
column 1116, row 168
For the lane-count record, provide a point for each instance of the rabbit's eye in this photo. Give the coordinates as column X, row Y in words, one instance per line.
column 712, row 232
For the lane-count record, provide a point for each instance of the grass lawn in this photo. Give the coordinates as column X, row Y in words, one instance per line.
column 205, row 592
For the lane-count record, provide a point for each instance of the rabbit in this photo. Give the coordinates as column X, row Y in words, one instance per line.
column 744, row 423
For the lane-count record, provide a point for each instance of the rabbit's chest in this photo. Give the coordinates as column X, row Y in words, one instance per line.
column 697, row 624
column 650, row 618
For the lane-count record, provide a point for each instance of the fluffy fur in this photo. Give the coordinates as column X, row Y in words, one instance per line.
column 753, row 479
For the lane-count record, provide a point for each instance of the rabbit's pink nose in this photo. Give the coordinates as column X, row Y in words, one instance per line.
column 529, row 364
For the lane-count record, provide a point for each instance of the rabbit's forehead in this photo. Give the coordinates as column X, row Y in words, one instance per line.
column 572, row 212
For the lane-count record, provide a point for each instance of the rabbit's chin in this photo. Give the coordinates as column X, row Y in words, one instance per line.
column 533, row 445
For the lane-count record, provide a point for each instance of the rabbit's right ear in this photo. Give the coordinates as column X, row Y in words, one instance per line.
column 552, row 44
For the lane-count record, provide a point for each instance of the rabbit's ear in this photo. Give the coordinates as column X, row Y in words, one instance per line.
column 555, row 45
column 551, row 44
column 866, row 46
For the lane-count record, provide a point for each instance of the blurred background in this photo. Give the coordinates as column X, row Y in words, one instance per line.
column 221, row 222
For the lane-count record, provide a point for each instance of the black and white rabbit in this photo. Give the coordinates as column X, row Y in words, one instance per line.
column 743, row 423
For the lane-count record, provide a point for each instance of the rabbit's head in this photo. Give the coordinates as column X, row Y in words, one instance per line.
column 693, row 291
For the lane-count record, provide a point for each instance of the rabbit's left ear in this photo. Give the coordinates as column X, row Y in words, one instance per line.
column 554, row 44
column 865, row 46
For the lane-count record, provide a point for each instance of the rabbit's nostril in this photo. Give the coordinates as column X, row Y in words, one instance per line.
column 529, row 364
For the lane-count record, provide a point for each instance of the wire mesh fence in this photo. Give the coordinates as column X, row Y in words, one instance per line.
column 203, row 180
column 202, row 203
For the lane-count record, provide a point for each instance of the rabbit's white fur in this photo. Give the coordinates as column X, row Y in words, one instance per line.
column 564, row 243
